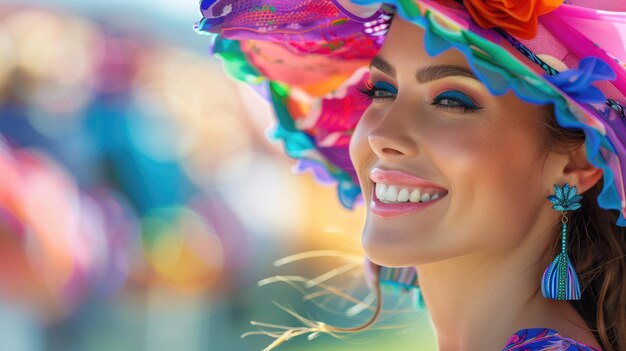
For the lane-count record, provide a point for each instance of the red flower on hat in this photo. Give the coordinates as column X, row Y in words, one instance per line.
column 517, row 17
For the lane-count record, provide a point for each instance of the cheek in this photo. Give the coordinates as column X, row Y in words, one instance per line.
column 483, row 153
column 496, row 181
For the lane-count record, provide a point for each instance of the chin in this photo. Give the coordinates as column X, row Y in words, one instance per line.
column 398, row 247
column 384, row 251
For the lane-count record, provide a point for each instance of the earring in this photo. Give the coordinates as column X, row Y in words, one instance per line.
column 559, row 281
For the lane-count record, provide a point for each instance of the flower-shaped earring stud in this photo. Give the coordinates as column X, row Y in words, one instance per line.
column 565, row 198
column 559, row 279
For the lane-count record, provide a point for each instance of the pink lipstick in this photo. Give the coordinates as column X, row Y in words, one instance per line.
column 378, row 175
column 384, row 209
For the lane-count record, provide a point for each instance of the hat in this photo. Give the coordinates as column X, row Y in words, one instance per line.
column 308, row 58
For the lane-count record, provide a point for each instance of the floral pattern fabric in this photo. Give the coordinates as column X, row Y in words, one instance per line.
column 543, row 339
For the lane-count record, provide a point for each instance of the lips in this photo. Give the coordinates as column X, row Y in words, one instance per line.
column 399, row 178
column 378, row 175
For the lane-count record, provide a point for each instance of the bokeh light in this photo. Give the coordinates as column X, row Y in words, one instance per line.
column 141, row 200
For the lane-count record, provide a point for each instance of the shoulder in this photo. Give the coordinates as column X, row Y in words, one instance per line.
column 543, row 339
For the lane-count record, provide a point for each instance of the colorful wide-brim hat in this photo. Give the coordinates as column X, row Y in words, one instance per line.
column 309, row 58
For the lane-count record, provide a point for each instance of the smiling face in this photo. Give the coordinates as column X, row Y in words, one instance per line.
column 440, row 132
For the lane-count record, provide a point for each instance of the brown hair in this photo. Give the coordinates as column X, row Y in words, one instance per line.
column 597, row 249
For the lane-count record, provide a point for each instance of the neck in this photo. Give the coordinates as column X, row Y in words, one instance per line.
column 491, row 295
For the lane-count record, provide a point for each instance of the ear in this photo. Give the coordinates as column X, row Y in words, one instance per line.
column 579, row 171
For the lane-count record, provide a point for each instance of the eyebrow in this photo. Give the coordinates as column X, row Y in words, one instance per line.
column 425, row 74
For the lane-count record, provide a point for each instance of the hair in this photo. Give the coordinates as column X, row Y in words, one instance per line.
column 597, row 249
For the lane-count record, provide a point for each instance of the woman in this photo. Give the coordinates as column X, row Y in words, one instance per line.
column 463, row 169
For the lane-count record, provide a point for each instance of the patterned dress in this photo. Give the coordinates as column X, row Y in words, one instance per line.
column 543, row 339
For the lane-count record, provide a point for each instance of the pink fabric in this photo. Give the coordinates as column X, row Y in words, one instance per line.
column 586, row 32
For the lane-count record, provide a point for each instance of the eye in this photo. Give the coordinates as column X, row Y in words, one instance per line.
column 377, row 90
column 456, row 101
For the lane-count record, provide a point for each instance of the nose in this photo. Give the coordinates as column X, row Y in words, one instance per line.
column 390, row 139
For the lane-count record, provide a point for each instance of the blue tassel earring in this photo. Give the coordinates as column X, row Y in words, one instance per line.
column 559, row 281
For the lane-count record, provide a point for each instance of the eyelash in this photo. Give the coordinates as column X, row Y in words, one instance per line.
column 369, row 90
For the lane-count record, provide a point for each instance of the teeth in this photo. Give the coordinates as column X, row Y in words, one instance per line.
column 381, row 190
column 415, row 196
column 403, row 195
column 392, row 193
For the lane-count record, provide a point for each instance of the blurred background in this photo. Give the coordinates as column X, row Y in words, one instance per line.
column 141, row 202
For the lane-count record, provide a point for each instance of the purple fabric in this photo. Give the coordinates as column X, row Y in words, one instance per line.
column 543, row 339
column 319, row 171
